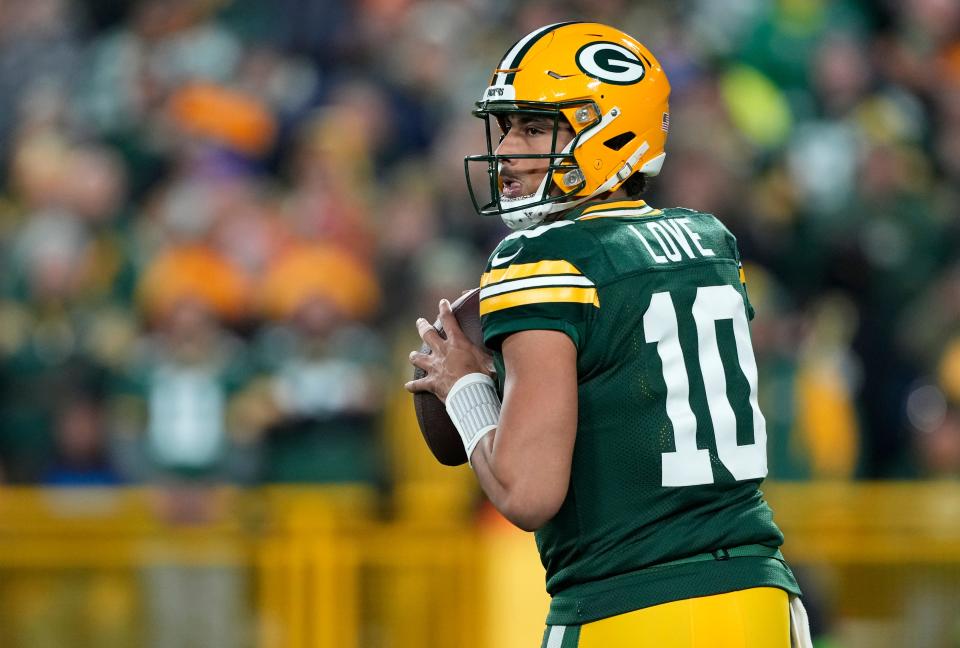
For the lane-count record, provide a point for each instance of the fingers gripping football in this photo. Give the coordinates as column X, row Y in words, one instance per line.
column 451, row 357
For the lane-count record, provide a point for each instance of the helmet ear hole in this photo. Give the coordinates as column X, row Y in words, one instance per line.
column 617, row 142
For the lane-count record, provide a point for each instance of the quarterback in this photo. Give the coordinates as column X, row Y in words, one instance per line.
column 620, row 422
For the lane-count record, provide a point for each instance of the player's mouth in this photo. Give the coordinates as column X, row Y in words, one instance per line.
column 512, row 187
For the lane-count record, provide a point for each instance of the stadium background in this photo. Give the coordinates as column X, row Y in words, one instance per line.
column 219, row 220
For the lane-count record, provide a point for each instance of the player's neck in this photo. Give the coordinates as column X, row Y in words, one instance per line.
column 610, row 196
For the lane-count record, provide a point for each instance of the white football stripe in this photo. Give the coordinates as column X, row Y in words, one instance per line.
column 502, row 76
column 535, row 282
column 555, row 638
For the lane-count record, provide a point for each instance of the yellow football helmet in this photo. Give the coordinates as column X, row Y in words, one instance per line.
column 606, row 85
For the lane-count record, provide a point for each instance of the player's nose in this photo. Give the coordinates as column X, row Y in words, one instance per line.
column 508, row 145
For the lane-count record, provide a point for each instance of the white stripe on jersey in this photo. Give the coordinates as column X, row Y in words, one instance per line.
column 535, row 282
column 537, row 231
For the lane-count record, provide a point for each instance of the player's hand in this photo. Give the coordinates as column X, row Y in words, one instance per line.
column 451, row 358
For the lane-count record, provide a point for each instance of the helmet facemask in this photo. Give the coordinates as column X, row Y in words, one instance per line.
column 563, row 179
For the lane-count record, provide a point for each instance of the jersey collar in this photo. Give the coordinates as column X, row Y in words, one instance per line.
column 613, row 208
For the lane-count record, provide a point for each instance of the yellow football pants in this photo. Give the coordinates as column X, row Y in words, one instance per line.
column 752, row 618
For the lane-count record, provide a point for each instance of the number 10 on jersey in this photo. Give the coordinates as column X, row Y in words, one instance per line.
column 689, row 465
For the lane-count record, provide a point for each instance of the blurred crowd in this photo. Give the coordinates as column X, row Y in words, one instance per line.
column 219, row 220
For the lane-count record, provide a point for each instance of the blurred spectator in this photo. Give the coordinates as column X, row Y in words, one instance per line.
column 82, row 456
column 827, row 376
column 39, row 54
column 206, row 112
column 196, row 273
column 332, row 171
column 58, row 281
column 324, row 383
column 176, row 398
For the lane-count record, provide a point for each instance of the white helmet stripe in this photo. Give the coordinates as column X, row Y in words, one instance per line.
column 508, row 61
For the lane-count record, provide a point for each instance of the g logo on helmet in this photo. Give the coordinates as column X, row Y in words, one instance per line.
column 610, row 63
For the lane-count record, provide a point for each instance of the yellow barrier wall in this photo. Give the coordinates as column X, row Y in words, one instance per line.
column 319, row 567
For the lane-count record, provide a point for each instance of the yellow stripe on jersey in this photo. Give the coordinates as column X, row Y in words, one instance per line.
column 540, row 296
column 633, row 213
column 743, row 276
column 619, row 208
column 617, row 204
column 523, row 270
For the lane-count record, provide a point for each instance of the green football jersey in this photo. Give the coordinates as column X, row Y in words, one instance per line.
column 664, row 500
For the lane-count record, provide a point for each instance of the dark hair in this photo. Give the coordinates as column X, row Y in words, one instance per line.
column 635, row 185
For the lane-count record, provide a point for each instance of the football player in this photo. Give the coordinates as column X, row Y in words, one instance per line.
column 621, row 422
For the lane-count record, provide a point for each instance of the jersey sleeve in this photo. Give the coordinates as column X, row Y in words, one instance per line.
column 532, row 285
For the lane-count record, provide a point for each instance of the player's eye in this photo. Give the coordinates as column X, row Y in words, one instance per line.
column 533, row 131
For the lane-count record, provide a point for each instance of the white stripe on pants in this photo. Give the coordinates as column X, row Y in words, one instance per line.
column 799, row 625
column 555, row 638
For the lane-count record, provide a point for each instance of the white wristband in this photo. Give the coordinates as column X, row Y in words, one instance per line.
column 474, row 408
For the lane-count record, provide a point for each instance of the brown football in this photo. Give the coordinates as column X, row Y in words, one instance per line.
column 438, row 431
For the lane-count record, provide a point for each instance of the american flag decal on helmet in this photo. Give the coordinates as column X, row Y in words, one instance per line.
column 665, row 122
